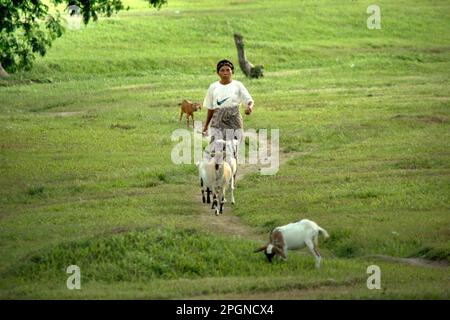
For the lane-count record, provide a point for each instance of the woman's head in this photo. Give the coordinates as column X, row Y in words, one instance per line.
column 225, row 62
column 225, row 70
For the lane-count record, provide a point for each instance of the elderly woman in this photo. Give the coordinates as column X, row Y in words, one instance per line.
column 223, row 100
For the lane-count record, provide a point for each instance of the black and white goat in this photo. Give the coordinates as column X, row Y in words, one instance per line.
column 207, row 176
column 294, row 236
column 215, row 176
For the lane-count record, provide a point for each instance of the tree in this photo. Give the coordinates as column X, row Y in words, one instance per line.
column 247, row 67
column 27, row 28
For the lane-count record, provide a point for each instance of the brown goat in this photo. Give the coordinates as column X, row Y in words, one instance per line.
column 189, row 108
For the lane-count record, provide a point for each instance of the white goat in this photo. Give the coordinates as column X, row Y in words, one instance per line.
column 215, row 176
column 294, row 236
column 224, row 179
column 230, row 156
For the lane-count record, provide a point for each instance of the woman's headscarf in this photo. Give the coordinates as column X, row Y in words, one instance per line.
column 225, row 62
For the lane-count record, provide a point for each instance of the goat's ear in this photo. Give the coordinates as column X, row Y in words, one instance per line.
column 279, row 252
column 263, row 248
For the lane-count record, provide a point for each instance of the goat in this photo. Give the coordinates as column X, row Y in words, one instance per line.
column 224, row 178
column 215, row 175
column 207, row 176
column 230, row 155
column 294, row 236
column 189, row 108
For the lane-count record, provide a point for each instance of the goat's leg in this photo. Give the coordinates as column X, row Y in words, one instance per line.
column 192, row 115
column 235, row 174
column 316, row 241
column 232, row 190
column 222, row 199
column 208, row 195
column 217, row 206
column 315, row 252
column 285, row 250
column 203, row 190
column 214, row 202
column 216, row 197
column 187, row 120
column 181, row 116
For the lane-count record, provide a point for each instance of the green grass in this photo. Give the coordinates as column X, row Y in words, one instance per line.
column 87, row 178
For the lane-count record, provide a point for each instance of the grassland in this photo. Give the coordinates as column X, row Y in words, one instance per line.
column 87, row 178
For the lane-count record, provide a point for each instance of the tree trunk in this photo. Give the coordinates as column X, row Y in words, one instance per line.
column 246, row 66
column 3, row 72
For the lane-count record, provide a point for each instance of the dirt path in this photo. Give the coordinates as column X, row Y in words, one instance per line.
column 227, row 223
column 412, row 261
column 292, row 294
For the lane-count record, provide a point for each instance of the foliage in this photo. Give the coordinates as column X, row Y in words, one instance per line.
column 27, row 28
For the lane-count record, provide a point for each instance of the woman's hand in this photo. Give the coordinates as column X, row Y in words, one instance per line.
column 249, row 108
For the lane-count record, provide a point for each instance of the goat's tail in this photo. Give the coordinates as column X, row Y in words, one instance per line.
column 324, row 232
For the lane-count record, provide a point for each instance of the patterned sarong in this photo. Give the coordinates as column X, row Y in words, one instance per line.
column 227, row 118
column 226, row 124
